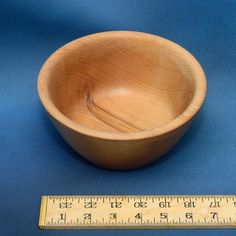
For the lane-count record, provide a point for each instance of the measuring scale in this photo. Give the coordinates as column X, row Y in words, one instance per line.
column 138, row 212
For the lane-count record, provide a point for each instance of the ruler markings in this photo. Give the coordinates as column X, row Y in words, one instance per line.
column 137, row 211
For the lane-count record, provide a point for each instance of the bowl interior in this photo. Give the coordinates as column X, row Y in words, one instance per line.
column 121, row 82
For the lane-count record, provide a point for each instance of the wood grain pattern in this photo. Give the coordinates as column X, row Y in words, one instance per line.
column 122, row 99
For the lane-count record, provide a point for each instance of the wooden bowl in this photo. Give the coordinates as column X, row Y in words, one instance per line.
column 122, row 99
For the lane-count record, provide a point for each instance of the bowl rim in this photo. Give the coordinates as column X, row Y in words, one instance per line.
column 177, row 122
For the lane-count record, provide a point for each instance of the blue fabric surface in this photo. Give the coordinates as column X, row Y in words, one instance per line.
column 35, row 161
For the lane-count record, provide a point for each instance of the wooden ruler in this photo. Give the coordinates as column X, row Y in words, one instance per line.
column 138, row 212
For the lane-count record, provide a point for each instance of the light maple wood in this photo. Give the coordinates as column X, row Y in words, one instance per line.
column 131, row 211
column 122, row 99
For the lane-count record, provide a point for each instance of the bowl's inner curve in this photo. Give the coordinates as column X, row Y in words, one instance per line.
column 120, row 84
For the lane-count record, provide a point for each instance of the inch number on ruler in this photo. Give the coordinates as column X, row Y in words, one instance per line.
column 182, row 211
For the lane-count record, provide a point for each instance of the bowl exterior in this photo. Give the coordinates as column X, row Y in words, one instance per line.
column 120, row 154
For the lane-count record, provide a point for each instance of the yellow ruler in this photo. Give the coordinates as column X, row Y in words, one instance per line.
column 144, row 212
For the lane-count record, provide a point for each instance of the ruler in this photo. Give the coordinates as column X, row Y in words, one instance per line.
column 138, row 212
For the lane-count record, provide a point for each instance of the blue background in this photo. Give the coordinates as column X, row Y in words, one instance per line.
column 35, row 161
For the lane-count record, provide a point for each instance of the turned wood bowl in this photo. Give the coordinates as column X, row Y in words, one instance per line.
column 122, row 99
